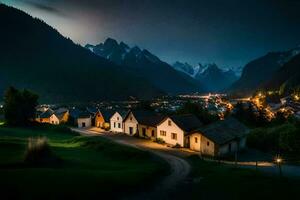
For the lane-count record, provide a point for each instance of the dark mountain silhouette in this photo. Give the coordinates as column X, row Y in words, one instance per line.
column 259, row 71
column 147, row 65
column 33, row 55
column 287, row 77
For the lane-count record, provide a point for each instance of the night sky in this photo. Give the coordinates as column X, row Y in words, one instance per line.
column 227, row 32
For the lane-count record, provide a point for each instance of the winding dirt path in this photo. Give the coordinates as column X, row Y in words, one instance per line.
column 179, row 167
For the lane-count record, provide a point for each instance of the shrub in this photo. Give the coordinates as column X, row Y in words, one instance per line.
column 177, row 146
column 38, row 152
column 159, row 141
column 284, row 138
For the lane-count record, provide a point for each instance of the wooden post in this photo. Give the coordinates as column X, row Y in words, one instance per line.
column 256, row 165
column 235, row 158
column 280, row 169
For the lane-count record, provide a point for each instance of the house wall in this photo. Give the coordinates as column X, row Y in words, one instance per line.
column 44, row 120
column 116, row 123
column 65, row 117
column 195, row 146
column 203, row 144
column 130, row 122
column 208, row 147
column 164, row 126
column 87, row 121
column 149, row 130
column 54, row 120
column 99, row 120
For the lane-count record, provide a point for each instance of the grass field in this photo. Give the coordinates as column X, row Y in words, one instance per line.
column 215, row 181
column 91, row 167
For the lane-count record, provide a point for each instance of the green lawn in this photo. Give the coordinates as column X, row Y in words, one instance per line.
column 91, row 167
column 214, row 181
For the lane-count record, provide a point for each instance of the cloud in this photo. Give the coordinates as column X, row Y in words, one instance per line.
column 45, row 6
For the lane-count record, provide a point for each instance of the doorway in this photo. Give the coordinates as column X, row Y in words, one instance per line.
column 130, row 130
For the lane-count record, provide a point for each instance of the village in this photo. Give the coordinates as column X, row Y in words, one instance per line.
column 218, row 139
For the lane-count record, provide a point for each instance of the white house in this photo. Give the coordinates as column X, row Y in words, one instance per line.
column 141, row 122
column 54, row 119
column 172, row 130
column 116, row 121
column 84, row 120
column 219, row 138
column 130, row 124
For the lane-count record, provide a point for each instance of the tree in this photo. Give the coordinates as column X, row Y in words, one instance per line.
column 19, row 106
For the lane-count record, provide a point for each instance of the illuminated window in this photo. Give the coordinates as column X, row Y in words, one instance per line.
column 163, row 133
column 169, row 123
column 174, row 136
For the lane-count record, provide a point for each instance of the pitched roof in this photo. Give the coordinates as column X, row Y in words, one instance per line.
column 187, row 122
column 148, row 118
column 84, row 114
column 224, row 131
column 59, row 115
column 123, row 113
column 107, row 114
column 47, row 113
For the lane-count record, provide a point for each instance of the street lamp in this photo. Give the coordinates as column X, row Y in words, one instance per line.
column 279, row 162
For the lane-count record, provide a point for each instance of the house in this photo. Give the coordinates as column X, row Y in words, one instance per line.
column 172, row 130
column 130, row 124
column 147, row 124
column 59, row 116
column 84, row 120
column 116, row 121
column 99, row 119
column 219, row 138
column 102, row 118
column 141, row 122
column 44, row 117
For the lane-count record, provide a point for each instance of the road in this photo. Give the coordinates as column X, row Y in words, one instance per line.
column 179, row 167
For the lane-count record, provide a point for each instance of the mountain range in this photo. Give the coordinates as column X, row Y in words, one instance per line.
column 35, row 56
column 147, row 65
column 269, row 71
column 287, row 78
column 210, row 76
